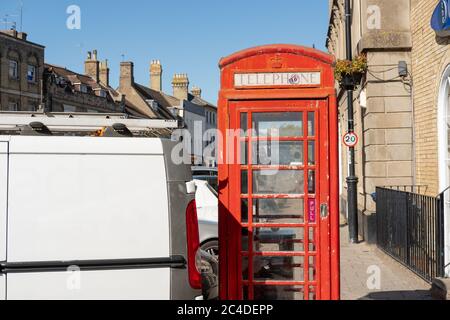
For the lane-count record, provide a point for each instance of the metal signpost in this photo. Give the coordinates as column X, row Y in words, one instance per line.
column 352, row 179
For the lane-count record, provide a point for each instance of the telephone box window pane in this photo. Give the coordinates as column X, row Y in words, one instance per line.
column 245, row 295
column 278, row 182
column 243, row 125
column 312, row 240
column 280, row 124
column 244, row 241
column 245, row 268
column 312, row 268
column 278, row 211
column 244, row 210
column 278, row 268
column 311, row 153
column 312, row 293
column 244, row 181
column 279, row 293
column 279, row 239
column 311, row 124
column 244, row 153
column 311, row 182
column 288, row 153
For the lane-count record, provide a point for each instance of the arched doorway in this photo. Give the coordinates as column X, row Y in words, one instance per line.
column 444, row 153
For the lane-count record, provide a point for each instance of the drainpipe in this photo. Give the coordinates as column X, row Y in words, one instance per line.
column 352, row 179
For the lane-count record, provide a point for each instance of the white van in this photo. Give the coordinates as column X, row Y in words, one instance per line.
column 95, row 218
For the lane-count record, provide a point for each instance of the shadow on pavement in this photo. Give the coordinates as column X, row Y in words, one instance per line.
column 399, row 295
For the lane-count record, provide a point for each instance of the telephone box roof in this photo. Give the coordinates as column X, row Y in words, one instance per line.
column 277, row 48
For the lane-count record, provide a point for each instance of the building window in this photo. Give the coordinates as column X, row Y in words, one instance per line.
column 13, row 69
column 84, row 88
column 102, row 93
column 31, row 73
column 13, row 106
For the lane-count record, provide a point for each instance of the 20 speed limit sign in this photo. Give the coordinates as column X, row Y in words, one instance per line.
column 351, row 139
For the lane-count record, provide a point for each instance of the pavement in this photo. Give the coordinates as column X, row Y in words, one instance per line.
column 369, row 274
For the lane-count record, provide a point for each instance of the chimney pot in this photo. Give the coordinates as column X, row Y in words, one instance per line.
column 180, row 86
column 196, row 91
column 156, row 75
column 92, row 66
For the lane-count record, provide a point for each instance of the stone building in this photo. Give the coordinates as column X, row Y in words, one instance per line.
column 195, row 114
column 27, row 83
column 381, row 29
column 431, row 79
column 200, row 119
column 150, row 102
column 21, row 70
column 69, row 91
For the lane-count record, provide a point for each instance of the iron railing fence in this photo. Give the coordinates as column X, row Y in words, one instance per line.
column 410, row 228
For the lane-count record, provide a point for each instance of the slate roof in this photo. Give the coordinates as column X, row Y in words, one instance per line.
column 72, row 78
column 163, row 101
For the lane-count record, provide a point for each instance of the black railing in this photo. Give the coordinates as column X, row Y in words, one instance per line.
column 410, row 228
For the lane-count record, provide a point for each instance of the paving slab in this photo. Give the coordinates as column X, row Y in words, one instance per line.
column 367, row 273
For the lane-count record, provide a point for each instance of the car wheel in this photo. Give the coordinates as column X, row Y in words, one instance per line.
column 212, row 247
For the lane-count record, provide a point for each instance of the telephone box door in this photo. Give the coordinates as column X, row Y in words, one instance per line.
column 275, row 186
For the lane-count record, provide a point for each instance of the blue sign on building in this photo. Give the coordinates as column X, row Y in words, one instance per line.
column 440, row 22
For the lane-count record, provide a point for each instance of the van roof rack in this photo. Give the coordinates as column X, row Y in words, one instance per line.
column 80, row 122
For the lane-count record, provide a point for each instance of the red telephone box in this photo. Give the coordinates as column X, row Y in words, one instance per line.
column 278, row 175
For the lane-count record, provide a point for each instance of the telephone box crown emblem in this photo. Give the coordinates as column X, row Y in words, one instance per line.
column 276, row 62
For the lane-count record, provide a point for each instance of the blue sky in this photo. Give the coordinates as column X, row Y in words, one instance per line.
column 187, row 36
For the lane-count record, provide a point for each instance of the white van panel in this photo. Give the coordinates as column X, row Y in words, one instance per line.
column 138, row 284
column 2, row 287
column 3, row 197
column 86, row 206
column 92, row 145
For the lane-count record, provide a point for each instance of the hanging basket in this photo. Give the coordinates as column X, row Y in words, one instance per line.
column 351, row 81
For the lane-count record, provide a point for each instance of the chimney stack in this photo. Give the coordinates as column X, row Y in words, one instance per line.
column 92, row 66
column 180, row 85
column 126, row 74
column 156, row 75
column 196, row 91
column 104, row 73
column 22, row 36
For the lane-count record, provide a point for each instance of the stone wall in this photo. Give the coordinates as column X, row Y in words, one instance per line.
column 387, row 121
column 382, row 104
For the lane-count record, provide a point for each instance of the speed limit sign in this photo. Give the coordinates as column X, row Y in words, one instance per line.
column 351, row 139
